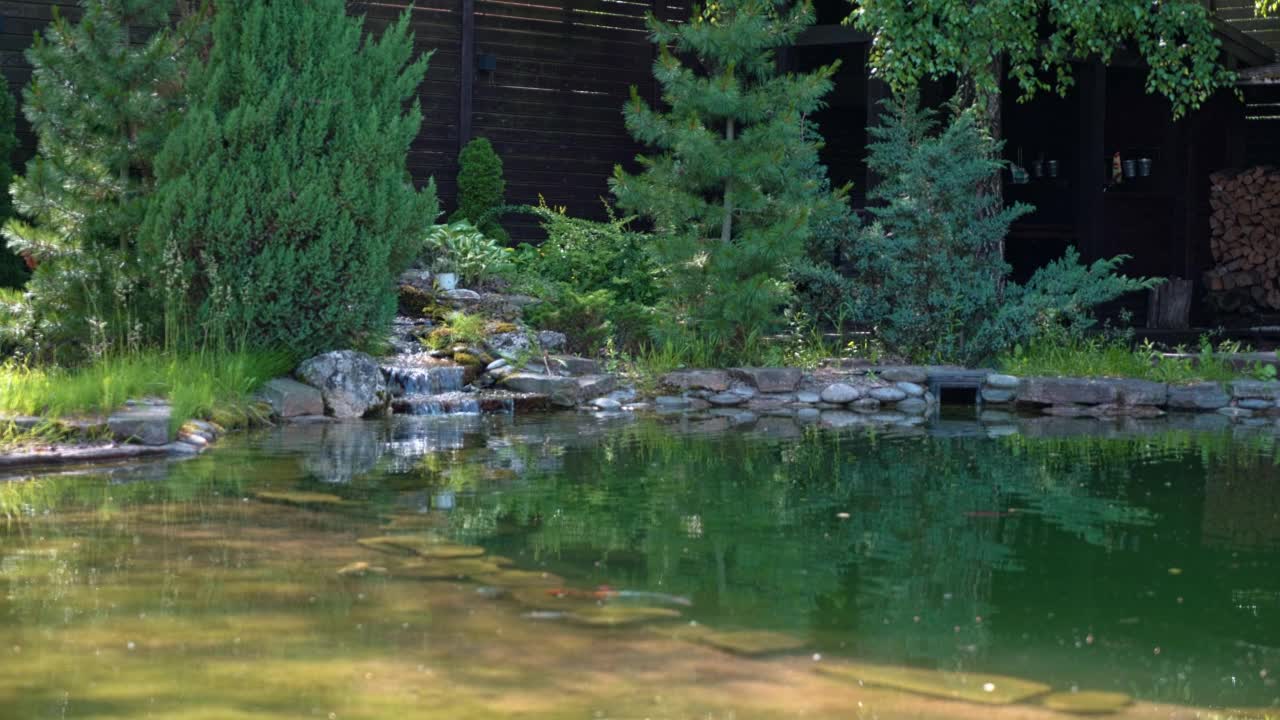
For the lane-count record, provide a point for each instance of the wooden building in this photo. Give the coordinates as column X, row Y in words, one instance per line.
column 545, row 81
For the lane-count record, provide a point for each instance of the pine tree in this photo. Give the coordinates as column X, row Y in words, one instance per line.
column 920, row 278
column 101, row 106
column 731, row 192
column 481, row 188
column 284, row 209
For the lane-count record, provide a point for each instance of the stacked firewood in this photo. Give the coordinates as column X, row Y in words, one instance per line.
column 1244, row 235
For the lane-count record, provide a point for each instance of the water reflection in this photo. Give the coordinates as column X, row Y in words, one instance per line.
column 1137, row 558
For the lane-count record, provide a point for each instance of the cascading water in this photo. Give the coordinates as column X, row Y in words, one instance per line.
column 427, row 380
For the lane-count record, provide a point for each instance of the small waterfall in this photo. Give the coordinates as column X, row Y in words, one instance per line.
column 426, row 380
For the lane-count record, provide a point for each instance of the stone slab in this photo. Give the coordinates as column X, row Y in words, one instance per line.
column 1067, row 391
column 145, row 424
column 770, row 380
column 289, row 398
column 970, row 687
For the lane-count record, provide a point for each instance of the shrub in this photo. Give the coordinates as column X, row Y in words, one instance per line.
column 284, row 210
column 101, row 107
column 924, row 276
column 461, row 248
column 481, row 188
column 597, row 280
column 730, row 189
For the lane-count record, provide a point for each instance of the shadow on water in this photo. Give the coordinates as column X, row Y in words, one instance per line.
column 1135, row 557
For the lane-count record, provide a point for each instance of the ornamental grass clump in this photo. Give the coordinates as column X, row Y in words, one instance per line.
column 284, row 210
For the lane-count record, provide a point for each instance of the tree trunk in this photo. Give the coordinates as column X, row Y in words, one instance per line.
column 726, row 225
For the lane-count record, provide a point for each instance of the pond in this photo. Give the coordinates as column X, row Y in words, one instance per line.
column 657, row 567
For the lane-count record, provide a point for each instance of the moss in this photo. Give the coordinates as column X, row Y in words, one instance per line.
column 504, row 327
column 971, row 687
column 415, row 302
column 439, row 338
column 472, row 359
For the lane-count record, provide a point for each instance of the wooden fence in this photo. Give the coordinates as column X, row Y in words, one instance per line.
column 544, row 80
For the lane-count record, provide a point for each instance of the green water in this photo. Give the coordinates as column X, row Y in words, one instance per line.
column 1145, row 562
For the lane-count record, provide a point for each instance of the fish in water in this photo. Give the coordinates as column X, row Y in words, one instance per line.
column 604, row 592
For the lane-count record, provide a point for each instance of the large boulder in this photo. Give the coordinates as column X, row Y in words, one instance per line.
column 713, row 380
column 1141, row 392
column 560, row 390
column 145, row 424
column 770, row 380
column 1067, row 391
column 289, row 398
column 839, row 394
column 1198, row 396
column 350, row 382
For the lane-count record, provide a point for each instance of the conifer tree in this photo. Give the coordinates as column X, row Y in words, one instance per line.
column 732, row 188
column 284, row 209
column 100, row 104
column 481, row 188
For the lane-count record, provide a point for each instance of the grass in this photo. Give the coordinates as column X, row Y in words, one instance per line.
column 1112, row 357
column 197, row 385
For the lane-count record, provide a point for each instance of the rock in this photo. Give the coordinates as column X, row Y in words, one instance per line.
column 808, row 415
column 289, row 398
column 1198, row 396
column 509, row 346
column 146, row 424
column 726, row 399
column 1235, row 413
column 1253, row 403
column 519, row 579
column 1069, row 410
column 1141, row 392
column 1001, row 382
column 1268, row 390
column 1087, row 703
column 623, row 395
column 596, row 385
column 910, row 388
column 744, row 390
column 620, row 615
column 865, row 405
column 299, row 498
column 913, row 406
column 425, row 546
column 451, row 569
column 193, row 439
column 997, row 396
column 496, row 365
column 749, row 643
column 605, row 403
column 350, row 382
column 672, row 402
column 460, row 294
column 713, row 380
column 840, row 393
column 972, row 687
column 572, row 365
column 770, row 380
column 551, row 341
column 503, row 371
column 1067, row 391
column 1133, row 411
column 736, row 417
column 904, row 373
column 887, row 394
column 562, row 391
column 840, row 419
column 808, row 398
column 180, row 448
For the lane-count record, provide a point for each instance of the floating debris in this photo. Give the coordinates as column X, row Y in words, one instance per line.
column 1088, row 702
column 300, row 498
column 750, row 643
column 360, row 569
column 972, row 687
column 620, row 615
